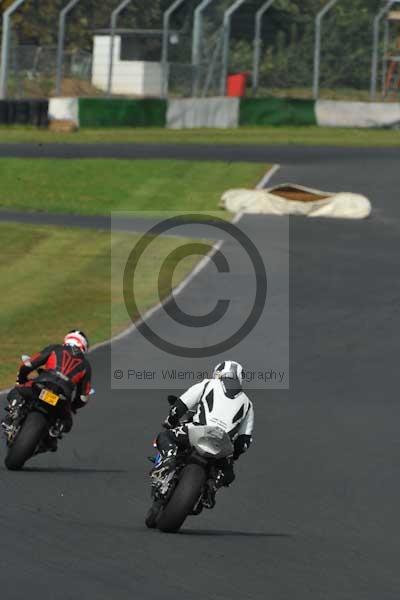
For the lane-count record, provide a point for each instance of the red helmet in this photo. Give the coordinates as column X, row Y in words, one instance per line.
column 77, row 338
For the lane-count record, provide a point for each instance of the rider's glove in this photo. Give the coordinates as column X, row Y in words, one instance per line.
column 177, row 410
column 22, row 376
column 170, row 423
column 24, row 371
column 226, row 476
column 241, row 444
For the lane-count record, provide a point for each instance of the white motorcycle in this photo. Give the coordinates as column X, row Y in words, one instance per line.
column 185, row 490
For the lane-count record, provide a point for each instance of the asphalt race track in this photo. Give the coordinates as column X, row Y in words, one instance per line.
column 314, row 513
column 300, row 155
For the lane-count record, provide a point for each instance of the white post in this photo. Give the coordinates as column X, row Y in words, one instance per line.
column 5, row 46
column 165, row 42
column 257, row 44
column 375, row 50
column 196, row 43
column 226, row 39
column 60, row 43
column 317, row 47
column 114, row 17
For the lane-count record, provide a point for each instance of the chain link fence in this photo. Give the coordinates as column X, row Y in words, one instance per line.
column 286, row 49
column 31, row 71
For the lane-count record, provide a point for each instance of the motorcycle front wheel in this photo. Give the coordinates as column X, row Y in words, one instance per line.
column 183, row 500
column 26, row 441
column 152, row 515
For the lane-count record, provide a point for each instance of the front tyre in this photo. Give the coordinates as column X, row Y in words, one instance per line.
column 26, row 441
column 184, row 498
column 152, row 515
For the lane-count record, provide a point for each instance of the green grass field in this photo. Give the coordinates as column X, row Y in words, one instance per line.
column 41, row 301
column 245, row 135
column 100, row 186
column 44, row 300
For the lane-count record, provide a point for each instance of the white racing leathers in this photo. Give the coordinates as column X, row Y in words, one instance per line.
column 230, row 409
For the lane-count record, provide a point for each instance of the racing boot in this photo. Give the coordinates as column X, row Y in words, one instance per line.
column 224, row 477
column 50, row 443
column 210, row 491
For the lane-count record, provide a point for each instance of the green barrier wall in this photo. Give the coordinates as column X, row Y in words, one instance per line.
column 152, row 112
column 103, row 112
column 276, row 111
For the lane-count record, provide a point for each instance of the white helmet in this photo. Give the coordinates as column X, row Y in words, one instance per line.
column 229, row 369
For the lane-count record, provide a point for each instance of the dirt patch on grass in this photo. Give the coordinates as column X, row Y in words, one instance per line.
column 79, row 87
column 63, row 126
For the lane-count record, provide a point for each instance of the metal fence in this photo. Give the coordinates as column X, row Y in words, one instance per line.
column 189, row 47
column 31, row 71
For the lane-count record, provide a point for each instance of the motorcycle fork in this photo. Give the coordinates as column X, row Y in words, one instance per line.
column 15, row 407
column 17, row 414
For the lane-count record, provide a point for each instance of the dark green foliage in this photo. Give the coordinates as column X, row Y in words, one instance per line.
column 36, row 22
column 287, row 35
column 288, row 43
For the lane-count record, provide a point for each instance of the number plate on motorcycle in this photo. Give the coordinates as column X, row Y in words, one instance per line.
column 49, row 397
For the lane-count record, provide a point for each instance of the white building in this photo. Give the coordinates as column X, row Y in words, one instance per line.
column 131, row 77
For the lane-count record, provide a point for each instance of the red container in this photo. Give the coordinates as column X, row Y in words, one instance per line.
column 236, row 85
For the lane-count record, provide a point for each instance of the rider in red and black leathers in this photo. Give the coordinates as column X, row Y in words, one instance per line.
column 65, row 366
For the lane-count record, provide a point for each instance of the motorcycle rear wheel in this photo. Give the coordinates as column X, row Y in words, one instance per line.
column 184, row 498
column 26, row 441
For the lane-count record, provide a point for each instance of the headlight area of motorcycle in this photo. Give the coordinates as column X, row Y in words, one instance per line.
column 208, row 447
column 210, row 440
column 215, row 445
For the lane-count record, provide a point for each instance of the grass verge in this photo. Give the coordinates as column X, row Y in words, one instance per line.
column 100, row 186
column 309, row 136
column 41, row 300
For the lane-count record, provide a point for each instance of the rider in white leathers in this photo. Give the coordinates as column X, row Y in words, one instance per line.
column 218, row 401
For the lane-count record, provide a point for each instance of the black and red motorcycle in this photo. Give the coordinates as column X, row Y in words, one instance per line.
column 35, row 420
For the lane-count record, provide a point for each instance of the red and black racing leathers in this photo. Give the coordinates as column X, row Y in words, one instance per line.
column 66, row 365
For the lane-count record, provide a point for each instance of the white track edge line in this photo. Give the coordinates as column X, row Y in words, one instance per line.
column 185, row 282
column 151, row 311
column 268, row 175
column 179, row 288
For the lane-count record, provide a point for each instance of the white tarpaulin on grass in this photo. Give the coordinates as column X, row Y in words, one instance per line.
column 341, row 205
column 331, row 113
